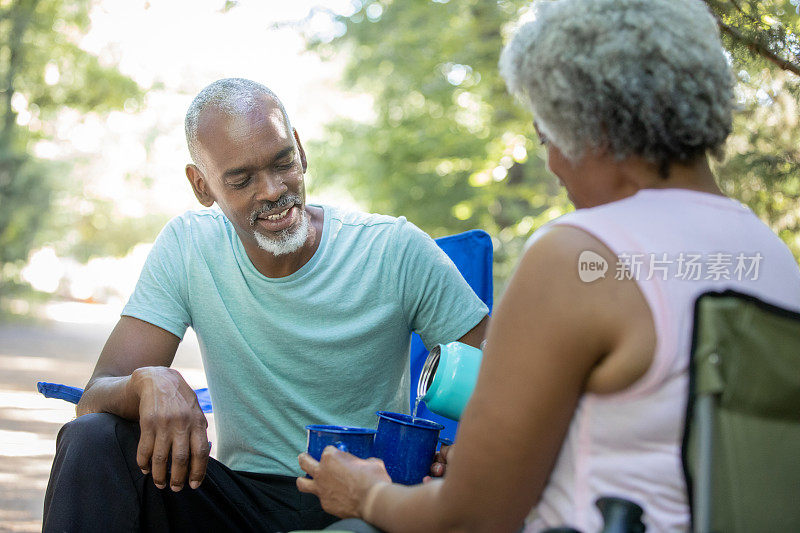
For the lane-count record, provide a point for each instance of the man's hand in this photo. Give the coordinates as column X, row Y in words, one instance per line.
column 341, row 480
column 440, row 460
column 172, row 423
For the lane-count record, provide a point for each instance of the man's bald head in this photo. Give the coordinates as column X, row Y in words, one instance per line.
column 231, row 96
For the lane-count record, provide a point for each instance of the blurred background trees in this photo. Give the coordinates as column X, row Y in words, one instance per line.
column 443, row 143
column 43, row 71
column 762, row 167
column 450, row 149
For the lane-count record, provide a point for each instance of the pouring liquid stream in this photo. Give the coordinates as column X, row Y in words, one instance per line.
column 416, row 406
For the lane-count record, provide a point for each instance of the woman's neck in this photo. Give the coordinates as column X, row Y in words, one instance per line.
column 696, row 175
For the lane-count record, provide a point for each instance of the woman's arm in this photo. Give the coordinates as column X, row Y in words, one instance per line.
column 549, row 336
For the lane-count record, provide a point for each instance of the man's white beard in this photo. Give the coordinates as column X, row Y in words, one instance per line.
column 286, row 241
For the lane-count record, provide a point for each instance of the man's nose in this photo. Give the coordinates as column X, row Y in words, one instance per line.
column 270, row 187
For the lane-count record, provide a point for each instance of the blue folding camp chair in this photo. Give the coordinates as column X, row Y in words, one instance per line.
column 73, row 394
column 471, row 252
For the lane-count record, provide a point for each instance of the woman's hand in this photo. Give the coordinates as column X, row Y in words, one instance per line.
column 341, row 480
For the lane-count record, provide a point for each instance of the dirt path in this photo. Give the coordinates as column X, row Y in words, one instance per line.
column 60, row 351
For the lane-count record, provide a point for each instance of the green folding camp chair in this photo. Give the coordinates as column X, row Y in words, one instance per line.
column 741, row 448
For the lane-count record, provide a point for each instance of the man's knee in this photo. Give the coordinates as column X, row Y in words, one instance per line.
column 91, row 482
column 97, row 433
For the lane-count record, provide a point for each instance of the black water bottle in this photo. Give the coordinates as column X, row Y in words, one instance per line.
column 620, row 515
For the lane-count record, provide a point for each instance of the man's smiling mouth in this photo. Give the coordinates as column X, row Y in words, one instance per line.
column 278, row 221
column 275, row 212
column 276, row 216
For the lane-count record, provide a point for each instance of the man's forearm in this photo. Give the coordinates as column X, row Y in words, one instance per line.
column 111, row 394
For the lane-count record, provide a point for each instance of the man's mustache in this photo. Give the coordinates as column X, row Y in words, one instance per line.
column 283, row 201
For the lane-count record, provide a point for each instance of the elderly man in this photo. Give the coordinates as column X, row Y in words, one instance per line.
column 303, row 313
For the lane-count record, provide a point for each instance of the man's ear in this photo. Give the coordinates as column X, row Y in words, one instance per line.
column 199, row 185
column 300, row 149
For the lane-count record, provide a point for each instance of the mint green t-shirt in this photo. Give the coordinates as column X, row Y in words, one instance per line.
column 327, row 344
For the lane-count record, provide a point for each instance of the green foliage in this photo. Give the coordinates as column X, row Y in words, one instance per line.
column 97, row 230
column 448, row 147
column 25, row 197
column 762, row 165
column 451, row 150
column 43, row 70
column 759, row 31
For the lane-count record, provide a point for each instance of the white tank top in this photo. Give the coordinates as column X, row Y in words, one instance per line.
column 628, row 443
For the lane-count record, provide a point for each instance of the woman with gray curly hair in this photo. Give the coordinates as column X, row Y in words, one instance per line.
column 583, row 385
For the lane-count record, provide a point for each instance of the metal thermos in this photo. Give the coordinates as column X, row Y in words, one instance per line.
column 448, row 378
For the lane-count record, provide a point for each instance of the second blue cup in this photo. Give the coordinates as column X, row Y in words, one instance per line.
column 406, row 445
column 355, row 440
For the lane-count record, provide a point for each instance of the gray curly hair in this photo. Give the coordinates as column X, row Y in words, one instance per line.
column 638, row 77
column 233, row 96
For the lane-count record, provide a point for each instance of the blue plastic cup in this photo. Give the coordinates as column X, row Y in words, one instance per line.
column 406, row 445
column 358, row 441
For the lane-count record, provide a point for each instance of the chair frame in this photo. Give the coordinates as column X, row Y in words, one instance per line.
column 700, row 414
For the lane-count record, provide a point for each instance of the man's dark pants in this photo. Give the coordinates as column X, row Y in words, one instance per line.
column 96, row 485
